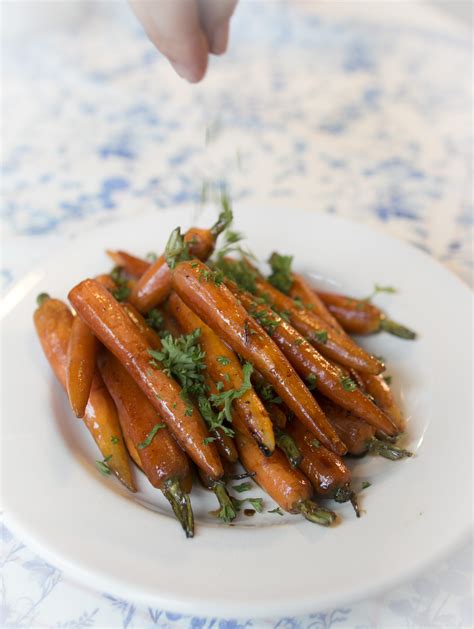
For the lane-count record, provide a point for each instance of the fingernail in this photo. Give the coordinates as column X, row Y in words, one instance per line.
column 184, row 71
column 220, row 38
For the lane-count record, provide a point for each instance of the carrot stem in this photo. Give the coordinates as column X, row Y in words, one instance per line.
column 181, row 505
column 42, row 297
column 388, row 450
column 227, row 512
column 316, row 514
column 346, row 494
column 392, row 327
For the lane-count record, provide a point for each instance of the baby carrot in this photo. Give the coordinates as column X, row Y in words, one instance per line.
column 155, row 284
column 359, row 316
column 327, row 472
column 377, row 387
column 163, row 462
column 113, row 327
column 302, row 292
column 359, row 436
column 53, row 321
column 290, row 489
column 82, row 350
column 133, row 266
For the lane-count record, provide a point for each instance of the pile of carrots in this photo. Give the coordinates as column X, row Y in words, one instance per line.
column 194, row 361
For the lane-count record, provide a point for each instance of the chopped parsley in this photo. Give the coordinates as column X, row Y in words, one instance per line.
column 103, row 467
column 388, row 379
column 280, row 276
column 379, row 289
column 311, row 381
column 114, row 440
column 151, row 256
column 242, row 487
column 267, row 393
column 223, row 360
column 321, row 336
column 150, row 436
column 277, row 510
column 122, row 290
column 208, row 440
column 315, row 443
column 224, row 399
column 348, row 384
column 366, row 484
column 266, row 319
column 155, row 319
column 257, row 503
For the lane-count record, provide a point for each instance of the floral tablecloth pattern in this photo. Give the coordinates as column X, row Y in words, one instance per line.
column 362, row 111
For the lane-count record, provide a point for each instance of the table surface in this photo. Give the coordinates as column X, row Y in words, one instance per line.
column 362, row 111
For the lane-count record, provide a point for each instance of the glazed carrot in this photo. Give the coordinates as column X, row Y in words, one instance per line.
column 212, row 301
column 224, row 366
column 133, row 452
column 287, row 445
column 379, row 390
column 149, row 333
column 327, row 472
column 133, row 266
column 327, row 340
column 106, row 281
column 113, row 327
column 155, row 284
column 287, row 486
column 302, row 291
column 359, row 436
column 317, row 371
column 277, row 415
column 164, row 463
column 53, row 321
column 82, row 350
column 359, row 316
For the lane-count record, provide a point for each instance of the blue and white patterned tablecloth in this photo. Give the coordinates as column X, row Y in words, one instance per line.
column 358, row 109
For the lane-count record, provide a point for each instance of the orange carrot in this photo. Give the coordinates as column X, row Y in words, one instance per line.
column 82, row 352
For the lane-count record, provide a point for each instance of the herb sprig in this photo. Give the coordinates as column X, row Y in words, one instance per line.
column 280, row 276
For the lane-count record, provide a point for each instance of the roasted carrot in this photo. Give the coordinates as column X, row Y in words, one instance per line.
column 224, row 366
column 106, row 281
column 327, row 472
column 290, row 489
column 53, row 321
column 302, row 292
column 359, row 436
column 359, row 316
column 288, row 446
column 163, row 462
column 155, row 284
column 149, row 333
column 82, row 350
column 317, row 371
column 211, row 300
column 377, row 387
column 133, row 266
column 114, row 328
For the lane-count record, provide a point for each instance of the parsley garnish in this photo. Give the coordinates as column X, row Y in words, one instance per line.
column 280, row 277
column 366, row 484
column 114, row 440
column 150, row 436
column 176, row 250
column 102, row 466
column 242, row 487
column 380, row 289
column 298, row 303
column 315, row 443
column 183, row 358
column 388, row 379
column 299, row 341
column 208, row 440
column 267, row 393
column 225, row 398
column 348, row 383
column 278, row 511
column 223, row 360
column 257, row 503
column 155, row 319
column 265, row 319
column 151, row 256
column 321, row 336
column 122, row 291
column 311, row 381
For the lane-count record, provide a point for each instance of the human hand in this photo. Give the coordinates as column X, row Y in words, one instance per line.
column 186, row 31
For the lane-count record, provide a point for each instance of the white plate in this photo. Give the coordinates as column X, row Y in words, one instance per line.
column 415, row 510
